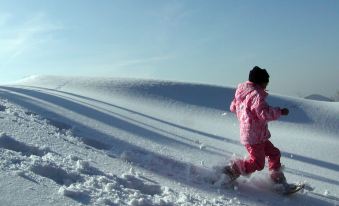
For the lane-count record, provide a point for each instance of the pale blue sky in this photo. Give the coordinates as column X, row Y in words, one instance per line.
column 215, row 41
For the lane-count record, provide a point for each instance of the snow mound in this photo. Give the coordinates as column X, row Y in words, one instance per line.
column 199, row 97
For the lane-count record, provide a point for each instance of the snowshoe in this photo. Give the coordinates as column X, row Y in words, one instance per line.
column 231, row 172
column 288, row 189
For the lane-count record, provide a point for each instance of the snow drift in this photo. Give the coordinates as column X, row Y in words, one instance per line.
column 109, row 141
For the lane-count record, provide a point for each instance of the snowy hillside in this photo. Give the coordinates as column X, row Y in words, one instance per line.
column 106, row 141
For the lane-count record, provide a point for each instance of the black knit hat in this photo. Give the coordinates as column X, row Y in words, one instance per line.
column 258, row 75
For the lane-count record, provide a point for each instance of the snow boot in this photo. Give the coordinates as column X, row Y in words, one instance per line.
column 278, row 177
column 232, row 172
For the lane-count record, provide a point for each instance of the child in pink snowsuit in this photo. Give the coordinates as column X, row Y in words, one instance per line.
column 253, row 114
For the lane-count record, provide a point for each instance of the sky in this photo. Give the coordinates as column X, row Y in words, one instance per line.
column 215, row 42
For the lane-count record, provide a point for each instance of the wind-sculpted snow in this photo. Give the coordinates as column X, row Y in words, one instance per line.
column 200, row 95
column 107, row 141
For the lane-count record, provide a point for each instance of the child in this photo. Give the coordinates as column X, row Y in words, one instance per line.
column 253, row 114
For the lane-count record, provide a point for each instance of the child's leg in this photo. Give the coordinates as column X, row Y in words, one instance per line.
column 273, row 155
column 256, row 160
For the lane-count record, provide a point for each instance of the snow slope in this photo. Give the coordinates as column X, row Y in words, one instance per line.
column 107, row 141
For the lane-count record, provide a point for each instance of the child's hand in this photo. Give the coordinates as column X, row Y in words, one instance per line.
column 284, row 111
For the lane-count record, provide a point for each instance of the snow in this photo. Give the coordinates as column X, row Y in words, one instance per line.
column 109, row 141
column 318, row 97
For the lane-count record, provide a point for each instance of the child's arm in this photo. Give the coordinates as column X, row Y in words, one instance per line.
column 264, row 111
column 233, row 107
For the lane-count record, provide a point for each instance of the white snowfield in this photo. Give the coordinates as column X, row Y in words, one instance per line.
column 108, row 141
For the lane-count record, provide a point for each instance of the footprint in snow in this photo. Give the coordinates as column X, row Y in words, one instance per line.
column 10, row 143
column 56, row 173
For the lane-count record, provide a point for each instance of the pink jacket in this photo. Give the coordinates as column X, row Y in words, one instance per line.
column 253, row 113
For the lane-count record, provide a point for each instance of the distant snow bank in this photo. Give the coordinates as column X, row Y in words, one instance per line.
column 202, row 95
column 318, row 97
column 317, row 114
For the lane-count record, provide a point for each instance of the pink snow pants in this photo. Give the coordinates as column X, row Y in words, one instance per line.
column 258, row 152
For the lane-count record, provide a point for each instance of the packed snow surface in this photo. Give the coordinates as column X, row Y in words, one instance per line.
column 108, row 141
